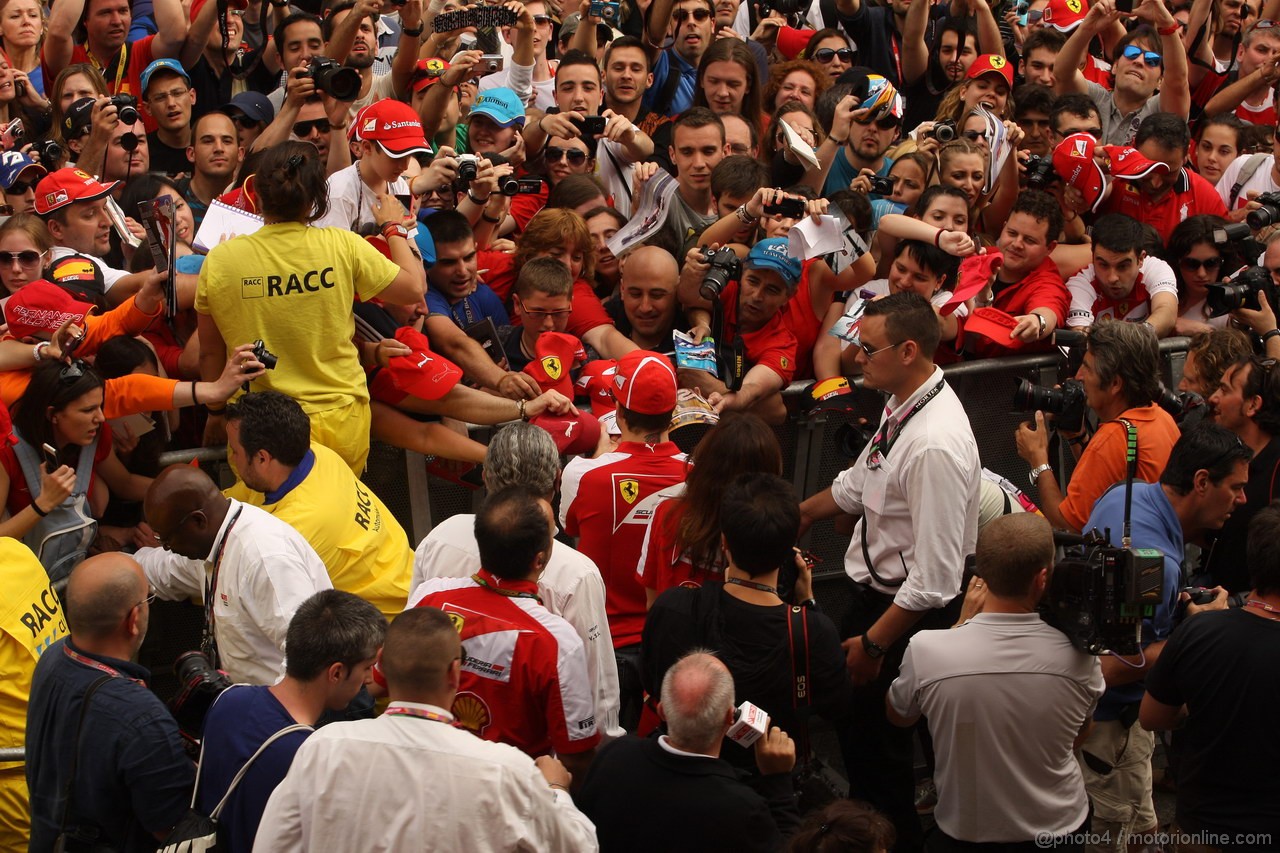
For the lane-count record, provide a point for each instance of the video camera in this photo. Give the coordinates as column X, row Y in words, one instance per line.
column 1067, row 403
column 1100, row 594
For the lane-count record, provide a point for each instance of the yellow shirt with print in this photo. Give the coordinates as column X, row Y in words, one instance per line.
column 360, row 542
column 31, row 620
column 292, row 286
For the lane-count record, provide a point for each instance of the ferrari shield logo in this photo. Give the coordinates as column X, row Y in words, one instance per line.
column 458, row 621
column 630, row 490
column 551, row 365
column 1074, row 6
column 997, row 62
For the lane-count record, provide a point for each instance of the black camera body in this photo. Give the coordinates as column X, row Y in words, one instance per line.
column 126, row 108
column 725, row 267
column 1268, row 214
column 264, row 355
column 1040, row 173
column 883, row 184
column 1187, row 408
column 200, row 684
column 334, row 79
column 50, row 152
column 468, row 167
column 944, row 131
column 1067, row 403
column 1223, row 297
column 590, row 126
column 1100, row 594
column 790, row 208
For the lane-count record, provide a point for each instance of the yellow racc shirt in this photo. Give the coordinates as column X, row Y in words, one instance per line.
column 292, row 286
column 360, row 542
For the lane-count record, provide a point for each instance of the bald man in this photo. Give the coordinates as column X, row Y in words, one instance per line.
column 132, row 778
column 646, row 308
column 641, row 792
column 251, row 569
column 497, row 798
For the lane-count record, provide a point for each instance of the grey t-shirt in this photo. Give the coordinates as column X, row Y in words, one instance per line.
column 1117, row 128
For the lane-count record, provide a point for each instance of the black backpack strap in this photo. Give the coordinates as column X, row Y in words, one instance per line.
column 75, row 752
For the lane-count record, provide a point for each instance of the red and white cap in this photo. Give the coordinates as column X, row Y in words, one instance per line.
column 68, row 186
column 40, row 308
column 645, row 383
column 395, row 126
column 1065, row 15
column 1129, row 164
column 1074, row 162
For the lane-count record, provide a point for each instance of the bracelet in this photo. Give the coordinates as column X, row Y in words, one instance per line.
column 479, row 201
column 38, row 350
column 839, row 142
column 1274, row 333
column 194, row 400
column 490, row 219
column 744, row 217
column 524, row 417
column 335, row 126
column 1169, row 30
column 1039, row 317
column 937, row 238
column 414, row 33
column 40, row 512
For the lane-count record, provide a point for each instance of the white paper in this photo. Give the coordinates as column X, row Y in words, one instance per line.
column 648, row 215
column 810, row 239
column 797, row 146
column 136, row 425
column 222, row 222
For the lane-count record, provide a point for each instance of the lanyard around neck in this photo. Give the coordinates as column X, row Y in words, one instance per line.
column 888, row 434
column 99, row 665
column 509, row 593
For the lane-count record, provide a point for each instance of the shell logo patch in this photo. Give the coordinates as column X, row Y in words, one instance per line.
column 471, row 712
column 551, row 364
column 630, row 490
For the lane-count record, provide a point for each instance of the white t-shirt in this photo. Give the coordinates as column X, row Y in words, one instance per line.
column 1260, row 181
column 1088, row 305
column 349, row 199
column 110, row 275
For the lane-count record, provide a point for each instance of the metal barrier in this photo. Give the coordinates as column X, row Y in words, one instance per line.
column 16, row 753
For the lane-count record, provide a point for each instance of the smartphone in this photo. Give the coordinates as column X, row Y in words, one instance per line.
column 406, row 201
column 1125, row 6
column 50, row 455
column 590, row 125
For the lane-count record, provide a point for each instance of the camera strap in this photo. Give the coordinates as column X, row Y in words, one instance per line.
column 67, row 790
column 208, row 638
column 1247, row 171
column 801, row 699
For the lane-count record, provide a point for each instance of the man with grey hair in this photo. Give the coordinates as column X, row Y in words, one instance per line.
column 571, row 587
column 641, row 792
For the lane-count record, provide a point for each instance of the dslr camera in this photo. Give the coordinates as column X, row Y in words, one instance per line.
column 1040, row 173
column 199, row 684
column 1268, row 214
column 1066, row 403
column 1224, row 297
column 725, row 267
column 1100, row 594
column 126, row 108
column 333, row 79
column 1187, row 408
column 264, row 355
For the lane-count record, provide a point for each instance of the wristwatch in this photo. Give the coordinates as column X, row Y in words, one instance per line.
column 1037, row 471
column 874, row 650
column 394, row 229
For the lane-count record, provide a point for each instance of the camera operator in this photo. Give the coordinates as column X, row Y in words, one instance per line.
column 1120, row 379
column 916, row 486
column 1123, row 282
column 1247, row 402
column 1201, row 486
column 1262, row 321
column 104, row 758
column 1220, row 675
column 753, row 311
column 1004, row 670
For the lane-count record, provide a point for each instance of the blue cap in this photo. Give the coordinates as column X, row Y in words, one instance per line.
column 170, row 65
column 502, row 105
column 13, row 163
column 426, row 246
column 772, row 254
column 254, row 105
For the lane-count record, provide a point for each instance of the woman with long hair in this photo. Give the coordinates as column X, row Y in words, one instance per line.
column 1197, row 262
column 832, row 50
column 25, row 244
column 682, row 545
column 22, row 25
column 729, row 82
column 292, row 286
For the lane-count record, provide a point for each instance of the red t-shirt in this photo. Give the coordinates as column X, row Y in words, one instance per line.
column 588, row 312
column 608, row 502
column 526, row 206
column 1191, row 195
column 20, row 493
column 137, row 56
column 524, row 675
column 663, row 564
column 1043, row 287
column 804, row 325
column 1212, row 83
column 1097, row 71
column 772, row 345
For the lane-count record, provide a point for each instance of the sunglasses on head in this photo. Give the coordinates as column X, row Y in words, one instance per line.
column 1195, row 264
column 884, row 122
column 304, row 128
column 27, row 257
column 20, row 187
column 575, row 156
column 682, row 15
column 826, row 54
column 1151, row 58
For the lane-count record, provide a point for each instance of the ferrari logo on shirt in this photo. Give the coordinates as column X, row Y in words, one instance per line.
column 630, row 490
column 471, row 712
column 458, row 621
column 552, row 366
column 784, row 362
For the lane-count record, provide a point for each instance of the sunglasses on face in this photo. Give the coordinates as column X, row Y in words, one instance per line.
column 1195, row 264
column 20, row 187
column 682, row 15
column 27, row 258
column 542, row 20
column 1034, row 16
column 826, row 54
column 974, row 135
column 1095, row 132
column 1152, row 59
column 555, row 153
column 884, row 122
column 304, row 129
column 245, row 123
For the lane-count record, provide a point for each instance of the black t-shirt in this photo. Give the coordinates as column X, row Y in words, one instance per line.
column 752, row 641
column 166, row 159
column 1225, row 667
column 1227, row 561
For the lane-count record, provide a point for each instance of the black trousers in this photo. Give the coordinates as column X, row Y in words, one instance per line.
column 1073, row 842
column 878, row 755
